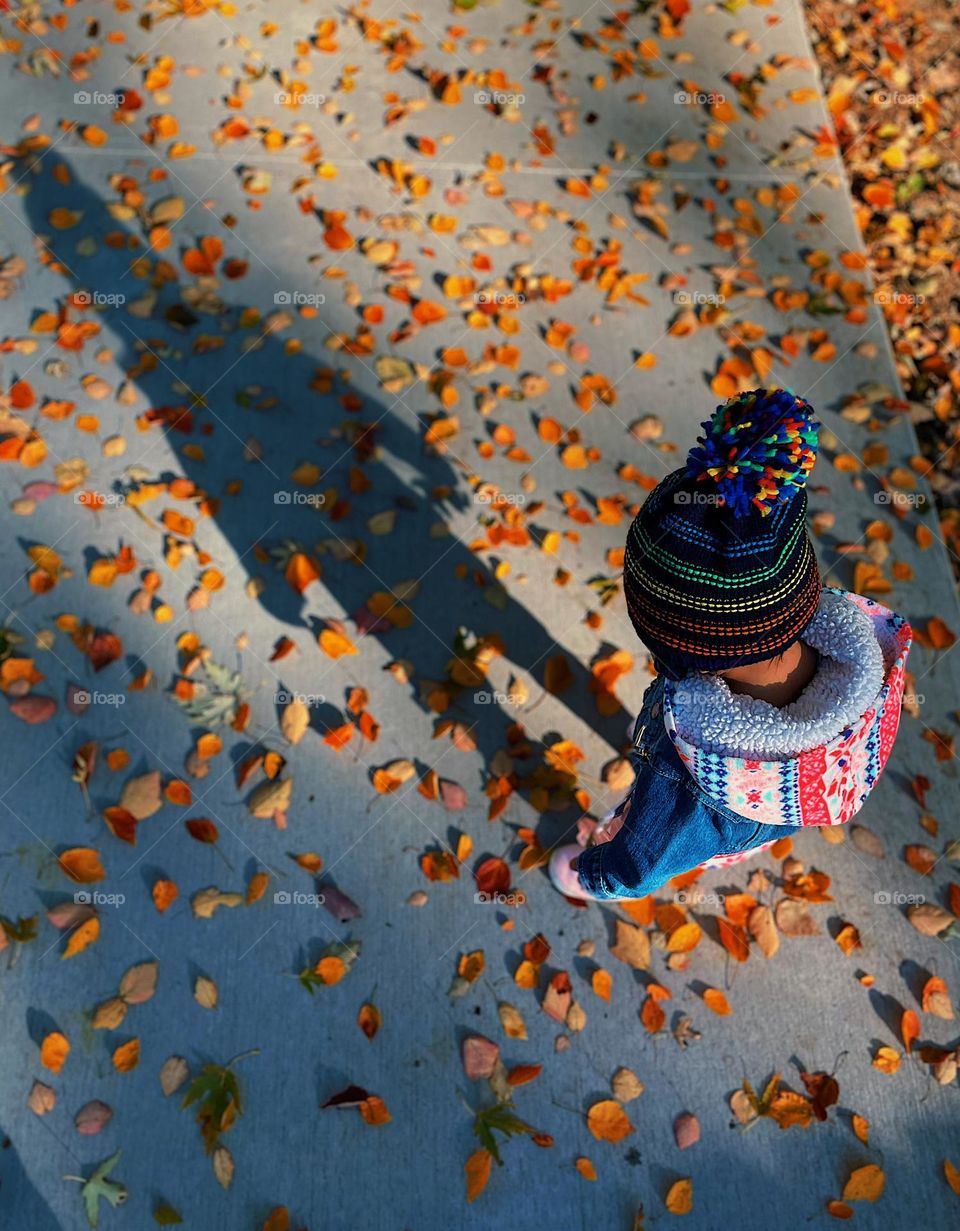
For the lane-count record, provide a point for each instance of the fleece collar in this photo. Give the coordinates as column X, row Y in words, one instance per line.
column 815, row 761
column 848, row 678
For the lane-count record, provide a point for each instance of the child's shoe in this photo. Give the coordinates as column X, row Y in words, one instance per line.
column 564, row 878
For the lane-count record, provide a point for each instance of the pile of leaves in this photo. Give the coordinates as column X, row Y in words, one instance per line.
column 892, row 74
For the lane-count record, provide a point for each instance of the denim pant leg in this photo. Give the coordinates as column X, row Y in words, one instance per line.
column 671, row 826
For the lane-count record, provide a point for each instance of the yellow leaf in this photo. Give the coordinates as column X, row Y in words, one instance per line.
column 608, row 1121
column 82, row 937
column 335, row 644
column 886, row 1060
column 680, row 1197
column 102, row 573
column 865, row 1184
column 684, row 938
column 586, row 1168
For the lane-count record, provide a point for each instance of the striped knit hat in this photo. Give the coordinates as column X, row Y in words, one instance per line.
column 719, row 570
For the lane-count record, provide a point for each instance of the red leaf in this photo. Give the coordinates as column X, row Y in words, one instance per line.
column 493, row 876
column 122, row 824
column 203, row 831
column 104, row 649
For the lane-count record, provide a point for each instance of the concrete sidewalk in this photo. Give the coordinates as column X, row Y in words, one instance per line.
column 598, row 160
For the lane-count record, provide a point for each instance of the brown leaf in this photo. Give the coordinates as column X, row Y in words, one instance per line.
column 632, row 945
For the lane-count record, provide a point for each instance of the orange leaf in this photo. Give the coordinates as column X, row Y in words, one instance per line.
column 127, row 1056
column 477, row 1170
column 82, row 864
column 302, row 571
column 164, row 894
column 54, row 1051
column 714, row 999
column 608, row 1121
column 733, row 939
column 652, row 1016
column 909, row 1029
column 83, row 936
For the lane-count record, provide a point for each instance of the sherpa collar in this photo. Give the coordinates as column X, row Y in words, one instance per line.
column 848, row 678
column 813, row 762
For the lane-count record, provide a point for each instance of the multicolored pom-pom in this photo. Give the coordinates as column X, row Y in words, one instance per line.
column 758, row 448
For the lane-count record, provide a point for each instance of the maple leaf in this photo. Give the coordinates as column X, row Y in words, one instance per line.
column 216, row 702
column 498, row 1119
column 216, row 1092
column 98, row 1186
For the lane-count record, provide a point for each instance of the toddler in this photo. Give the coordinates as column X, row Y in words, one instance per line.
column 777, row 699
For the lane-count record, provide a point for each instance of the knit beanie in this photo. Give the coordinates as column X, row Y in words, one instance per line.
column 719, row 570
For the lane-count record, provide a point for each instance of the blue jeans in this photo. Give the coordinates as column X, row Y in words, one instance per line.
column 671, row 825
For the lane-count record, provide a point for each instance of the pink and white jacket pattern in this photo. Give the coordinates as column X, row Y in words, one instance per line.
column 825, row 784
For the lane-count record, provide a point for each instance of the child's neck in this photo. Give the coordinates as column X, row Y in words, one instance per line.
column 777, row 681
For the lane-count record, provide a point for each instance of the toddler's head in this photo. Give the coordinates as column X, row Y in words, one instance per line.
column 719, row 570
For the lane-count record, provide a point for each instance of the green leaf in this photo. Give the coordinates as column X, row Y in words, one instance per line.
column 215, row 704
column 99, row 1186
column 22, row 931
column 166, row 1215
column 216, row 1093
column 497, row 1119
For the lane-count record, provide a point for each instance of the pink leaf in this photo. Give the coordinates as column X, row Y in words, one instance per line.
column 480, row 1057
column 34, row 709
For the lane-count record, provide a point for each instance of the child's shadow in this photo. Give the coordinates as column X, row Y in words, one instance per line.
column 287, row 408
column 18, row 1194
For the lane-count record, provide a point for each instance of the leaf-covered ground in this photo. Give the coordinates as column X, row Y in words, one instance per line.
column 338, row 350
column 891, row 71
